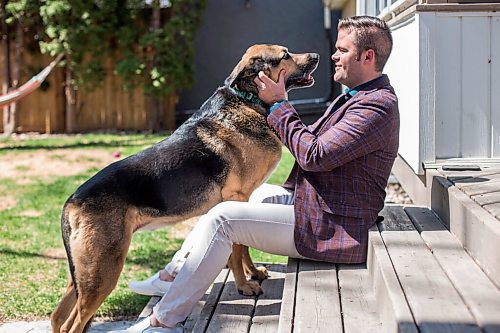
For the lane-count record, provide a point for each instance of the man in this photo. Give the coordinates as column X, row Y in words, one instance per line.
column 332, row 196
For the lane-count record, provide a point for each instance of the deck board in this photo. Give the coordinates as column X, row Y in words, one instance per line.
column 483, row 299
column 436, row 305
column 418, row 277
column 317, row 300
column 487, row 198
column 394, row 310
column 493, row 209
column 458, row 176
column 481, row 188
column 200, row 317
column 233, row 312
column 267, row 309
column 490, row 177
column 395, row 219
column 288, row 300
column 359, row 306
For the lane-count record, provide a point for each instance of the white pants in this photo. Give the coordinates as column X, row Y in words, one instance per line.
column 265, row 223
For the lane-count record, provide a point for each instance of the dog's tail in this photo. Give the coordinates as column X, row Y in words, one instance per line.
column 66, row 233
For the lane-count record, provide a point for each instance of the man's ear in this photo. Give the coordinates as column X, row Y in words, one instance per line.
column 369, row 55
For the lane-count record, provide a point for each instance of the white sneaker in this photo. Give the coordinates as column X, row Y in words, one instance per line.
column 150, row 287
column 144, row 326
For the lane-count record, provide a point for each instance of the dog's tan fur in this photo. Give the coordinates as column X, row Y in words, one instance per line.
column 98, row 223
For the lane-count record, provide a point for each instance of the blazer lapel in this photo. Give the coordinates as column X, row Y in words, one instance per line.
column 333, row 116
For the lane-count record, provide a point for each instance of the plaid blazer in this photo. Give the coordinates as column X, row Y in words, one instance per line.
column 343, row 162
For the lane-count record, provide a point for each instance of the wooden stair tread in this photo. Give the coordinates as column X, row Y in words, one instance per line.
column 359, row 307
column 478, row 292
column 434, row 302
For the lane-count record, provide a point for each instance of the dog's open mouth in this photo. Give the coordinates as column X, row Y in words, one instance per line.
column 302, row 81
column 303, row 77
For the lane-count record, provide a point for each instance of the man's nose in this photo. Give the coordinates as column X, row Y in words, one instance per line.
column 335, row 57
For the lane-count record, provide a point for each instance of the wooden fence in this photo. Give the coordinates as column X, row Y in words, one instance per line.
column 108, row 106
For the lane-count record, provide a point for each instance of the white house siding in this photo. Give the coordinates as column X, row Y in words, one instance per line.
column 495, row 86
column 403, row 70
column 445, row 68
column 467, row 84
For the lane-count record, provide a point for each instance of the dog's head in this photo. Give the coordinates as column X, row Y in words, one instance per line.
column 271, row 59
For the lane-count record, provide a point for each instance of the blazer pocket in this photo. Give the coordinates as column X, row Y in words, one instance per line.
column 340, row 209
column 324, row 206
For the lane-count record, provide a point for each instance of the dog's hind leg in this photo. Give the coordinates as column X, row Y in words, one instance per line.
column 99, row 246
column 94, row 284
column 83, row 312
column 256, row 273
column 63, row 310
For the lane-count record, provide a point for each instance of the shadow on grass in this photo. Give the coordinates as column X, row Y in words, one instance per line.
column 84, row 140
column 25, row 254
column 123, row 304
column 127, row 143
column 153, row 257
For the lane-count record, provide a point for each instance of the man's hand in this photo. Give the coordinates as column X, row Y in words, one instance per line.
column 271, row 92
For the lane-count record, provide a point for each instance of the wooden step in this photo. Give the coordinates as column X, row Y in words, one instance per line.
column 317, row 306
column 268, row 306
column 200, row 317
column 418, row 278
column 471, row 212
column 478, row 292
column 434, row 302
column 395, row 313
column 359, row 306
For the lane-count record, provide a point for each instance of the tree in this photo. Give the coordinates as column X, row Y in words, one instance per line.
column 5, row 66
column 152, row 42
column 21, row 16
column 160, row 56
column 79, row 29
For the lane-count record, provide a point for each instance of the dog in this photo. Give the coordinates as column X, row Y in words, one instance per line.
column 222, row 152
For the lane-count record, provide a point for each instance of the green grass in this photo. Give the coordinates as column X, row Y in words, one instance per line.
column 32, row 273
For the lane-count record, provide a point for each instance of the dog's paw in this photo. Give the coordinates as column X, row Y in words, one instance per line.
column 250, row 288
column 260, row 273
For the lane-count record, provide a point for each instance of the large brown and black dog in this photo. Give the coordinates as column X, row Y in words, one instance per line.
column 223, row 152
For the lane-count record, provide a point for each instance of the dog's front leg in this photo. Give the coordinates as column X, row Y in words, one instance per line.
column 256, row 273
column 244, row 286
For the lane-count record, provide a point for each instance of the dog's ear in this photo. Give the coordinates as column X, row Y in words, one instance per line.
column 243, row 75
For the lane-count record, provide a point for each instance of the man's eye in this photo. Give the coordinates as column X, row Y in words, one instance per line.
column 286, row 56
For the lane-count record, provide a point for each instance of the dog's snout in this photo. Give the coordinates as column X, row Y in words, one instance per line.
column 314, row 56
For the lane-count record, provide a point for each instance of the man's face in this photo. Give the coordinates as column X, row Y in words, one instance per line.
column 348, row 68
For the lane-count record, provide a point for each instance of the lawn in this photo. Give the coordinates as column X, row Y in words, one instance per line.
column 37, row 174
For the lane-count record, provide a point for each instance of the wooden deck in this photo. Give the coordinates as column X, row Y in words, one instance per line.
column 418, row 278
column 223, row 309
column 481, row 186
column 470, row 208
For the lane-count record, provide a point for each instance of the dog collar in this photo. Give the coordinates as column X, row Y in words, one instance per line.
column 250, row 97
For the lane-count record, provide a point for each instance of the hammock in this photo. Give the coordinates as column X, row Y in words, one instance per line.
column 29, row 86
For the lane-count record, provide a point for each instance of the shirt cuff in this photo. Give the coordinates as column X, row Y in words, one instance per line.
column 275, row 106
